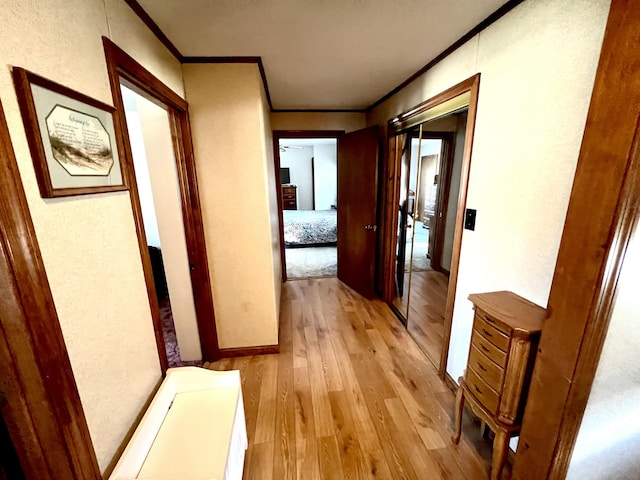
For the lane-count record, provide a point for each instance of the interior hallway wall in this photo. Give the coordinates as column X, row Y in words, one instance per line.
column 237, row 191
column 538, row 64
column 346, row 121
column 88, row 243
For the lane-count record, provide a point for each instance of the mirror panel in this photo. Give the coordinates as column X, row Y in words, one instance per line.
column 428, row 175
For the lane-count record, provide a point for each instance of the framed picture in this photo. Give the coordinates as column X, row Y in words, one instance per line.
column 71, row 137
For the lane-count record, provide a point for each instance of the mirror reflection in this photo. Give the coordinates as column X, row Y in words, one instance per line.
column 429, row 167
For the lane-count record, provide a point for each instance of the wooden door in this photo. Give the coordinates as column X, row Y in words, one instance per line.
column 357, row 197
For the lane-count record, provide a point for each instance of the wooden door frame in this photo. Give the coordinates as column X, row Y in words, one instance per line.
column 121, row 65
column 41, row 405
column 389, row 216
column 277, row 135
column 591, row 251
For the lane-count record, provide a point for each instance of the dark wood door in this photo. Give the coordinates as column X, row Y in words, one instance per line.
column 357, row 197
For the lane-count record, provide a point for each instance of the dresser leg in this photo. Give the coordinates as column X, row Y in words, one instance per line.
column 459, row 406
column 500, row 450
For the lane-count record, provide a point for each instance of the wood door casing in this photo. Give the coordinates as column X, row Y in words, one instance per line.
column 469, row 86
column 357, row 202
column 40, row 403
column 589, row 258
column 121, row 66
column 277, row 135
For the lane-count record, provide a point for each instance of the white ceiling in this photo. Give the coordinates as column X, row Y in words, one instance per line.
column 322, row 54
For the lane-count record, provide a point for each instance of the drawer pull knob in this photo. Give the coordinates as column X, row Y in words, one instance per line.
column 489, row 319
column 477, row 389
column 481, row 367
column 487, row 333
column 484, row 348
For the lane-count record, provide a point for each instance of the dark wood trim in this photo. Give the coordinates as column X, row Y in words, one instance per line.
column 221, row 60
column 265, row 84
column 155, row 29
column 132, row 429
column 465, row 86
column 276, row 163
column 277, row 135
column 249, row 351
column 389, row 216
column 627, row 218
column 41, row 405
column 590, row 252
column 122, row 66
column 23, row 79
column 256, row 60
column 495, row 16
column 391, row 168
column 317, row 110
column 474, row 88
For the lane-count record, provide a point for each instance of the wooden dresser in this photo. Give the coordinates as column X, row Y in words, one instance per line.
column 506, row 332
column 289, row 197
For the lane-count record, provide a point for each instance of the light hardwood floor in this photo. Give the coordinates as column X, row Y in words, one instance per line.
column 350, row 396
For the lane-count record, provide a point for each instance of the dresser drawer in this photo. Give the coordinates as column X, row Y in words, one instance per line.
column 483, row 392
column 492, row 334
column 289, row 205
column 489, row 349
column 488, row 371
column 495, row 323
column 289, row 190
column 288, row 196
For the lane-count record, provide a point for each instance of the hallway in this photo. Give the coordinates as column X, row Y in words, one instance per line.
column 349, row 396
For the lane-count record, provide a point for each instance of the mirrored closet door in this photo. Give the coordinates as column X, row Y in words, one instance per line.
column 426, row 159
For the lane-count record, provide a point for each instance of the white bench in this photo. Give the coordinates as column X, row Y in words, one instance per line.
column 194, row 429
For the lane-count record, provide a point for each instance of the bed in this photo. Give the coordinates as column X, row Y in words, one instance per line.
column 310, row 227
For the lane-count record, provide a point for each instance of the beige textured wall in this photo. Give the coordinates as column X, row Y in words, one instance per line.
column 229, row 136
column 347, row 121
column 538, row 64
column 273, row 182
column 88, row 242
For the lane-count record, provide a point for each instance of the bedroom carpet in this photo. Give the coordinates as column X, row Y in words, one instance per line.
column 420, row 248
column 170, row 339
column 307, row 262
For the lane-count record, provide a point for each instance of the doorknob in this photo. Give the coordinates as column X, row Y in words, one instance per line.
column 371, row 227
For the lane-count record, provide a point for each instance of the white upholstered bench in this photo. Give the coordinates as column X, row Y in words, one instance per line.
column 194, row 429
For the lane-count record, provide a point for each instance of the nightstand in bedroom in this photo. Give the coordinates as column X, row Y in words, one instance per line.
column 289, row 197
column 506, row 332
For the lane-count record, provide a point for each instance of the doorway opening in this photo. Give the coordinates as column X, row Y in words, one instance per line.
column 307, row 166
column 170, row 189
column 428, row 165
column 156, row 177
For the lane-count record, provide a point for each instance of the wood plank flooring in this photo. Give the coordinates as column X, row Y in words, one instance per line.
column 349, row 396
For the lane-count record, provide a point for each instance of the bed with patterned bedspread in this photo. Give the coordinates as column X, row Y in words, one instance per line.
column 310, row 227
